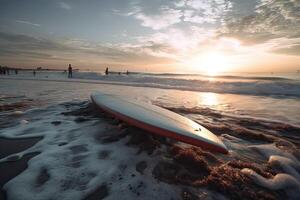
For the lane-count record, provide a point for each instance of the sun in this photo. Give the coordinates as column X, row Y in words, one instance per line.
column 211, row 63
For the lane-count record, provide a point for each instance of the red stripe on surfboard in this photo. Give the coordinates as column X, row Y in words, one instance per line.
column 162, row 132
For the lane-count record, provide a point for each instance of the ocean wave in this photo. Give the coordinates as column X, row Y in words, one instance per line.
column 257, row 86
column 282, row 87
column 199, row 76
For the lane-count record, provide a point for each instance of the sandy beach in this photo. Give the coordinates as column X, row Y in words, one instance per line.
column 55, row 144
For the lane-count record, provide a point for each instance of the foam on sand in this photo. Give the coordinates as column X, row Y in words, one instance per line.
column 279, row 182
column 69, row 165
column 286, row 164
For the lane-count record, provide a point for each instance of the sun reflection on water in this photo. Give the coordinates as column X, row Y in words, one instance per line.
column 208, row 99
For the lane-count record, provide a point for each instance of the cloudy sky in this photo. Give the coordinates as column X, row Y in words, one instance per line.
column 156, row 35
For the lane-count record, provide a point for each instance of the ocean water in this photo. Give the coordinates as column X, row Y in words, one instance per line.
column 257, row 116
column 263, row 84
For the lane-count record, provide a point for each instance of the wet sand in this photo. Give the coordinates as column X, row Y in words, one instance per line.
column 10, row 146
column 10, row 169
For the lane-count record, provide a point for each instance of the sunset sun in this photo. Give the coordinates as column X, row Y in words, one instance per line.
column 210, row 63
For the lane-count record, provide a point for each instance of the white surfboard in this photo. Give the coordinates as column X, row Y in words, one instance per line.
column 158, row 120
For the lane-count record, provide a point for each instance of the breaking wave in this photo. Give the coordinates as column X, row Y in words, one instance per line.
column 262, row 86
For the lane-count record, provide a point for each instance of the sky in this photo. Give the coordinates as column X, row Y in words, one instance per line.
column 158, row 35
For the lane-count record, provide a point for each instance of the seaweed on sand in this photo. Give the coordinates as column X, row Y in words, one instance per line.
column 192, row 166
column 233, row 183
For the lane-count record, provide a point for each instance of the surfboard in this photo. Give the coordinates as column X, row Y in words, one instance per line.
column 158, row 120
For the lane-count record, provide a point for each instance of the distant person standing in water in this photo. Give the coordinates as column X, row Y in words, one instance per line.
column 34, row 73
column 70, row 71
column 106, row 71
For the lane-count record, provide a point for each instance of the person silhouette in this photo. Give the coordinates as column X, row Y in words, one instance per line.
column 106, row 71
column 70, row 71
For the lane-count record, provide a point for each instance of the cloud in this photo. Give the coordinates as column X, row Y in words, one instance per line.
column 179, row 44
column 287, row 46
column 20, row 47
column 27, row 55
column 271, row 19
column 291, row 50
column 25, row 42
column 27, row 23
column 165, row 18
column 64, row 5
column 273, row 26
column 204, row 11
column 134, row 9
column 165, row 14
